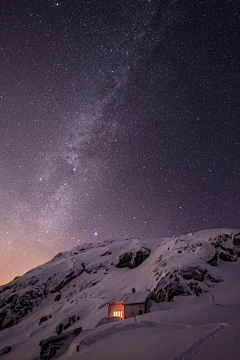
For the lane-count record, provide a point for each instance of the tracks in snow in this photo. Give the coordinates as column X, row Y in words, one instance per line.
column 187, row 354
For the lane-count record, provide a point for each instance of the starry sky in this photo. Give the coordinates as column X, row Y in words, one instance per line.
column 119, row 118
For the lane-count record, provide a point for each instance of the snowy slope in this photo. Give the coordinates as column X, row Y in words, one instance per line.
column 71, row 291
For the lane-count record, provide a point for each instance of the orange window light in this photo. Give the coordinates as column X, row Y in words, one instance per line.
column 118, row 313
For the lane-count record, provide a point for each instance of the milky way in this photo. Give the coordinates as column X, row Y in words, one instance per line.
column 118, row 119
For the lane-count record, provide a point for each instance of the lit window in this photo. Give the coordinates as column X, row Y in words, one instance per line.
column 118, row 314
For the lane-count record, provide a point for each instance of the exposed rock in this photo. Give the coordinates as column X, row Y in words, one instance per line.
column 6, row 287
column 5, row 320
column 195, row 273
column 139, row 257
column 220, row 248
column 124, row 260
column 44, row 318
column 82, row 248
column 228, row 250
column 212, row 279
column 5, row 350
column 106, row 253
column 209, row 254
column 213, row 260
column 56, row 257
column 195, row 288
column 66, row 323
column 93, row 269
column 223, row 255
column 163, row 264
column 184, row 281
column 220, row 239
column 169, row 287
column 237, row 251
column 16, row 307
column 59, row 329
column 68, row 278
column 50, row 346
column 102, row 305
column 12, row 299
column 92, row 283
column 236, row 239
column 133, row 260
column 58, row 297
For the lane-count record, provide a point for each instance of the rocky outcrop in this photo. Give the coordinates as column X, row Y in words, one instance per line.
column 106, row 253
column 220, row 249
column 93, row 269
column 193, row 273
column 72, row 274
column 169, row 287
column 66, row 323
column 184, row 281
column 236, row 239
column 58, row 297
column 20, row 298
column 15, row 307
column 50, row 346
column 208, row 253
column 44, row 318
column 133, row 260
column 5, row 350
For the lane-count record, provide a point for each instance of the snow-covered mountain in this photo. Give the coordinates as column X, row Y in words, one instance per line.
column 52, row 311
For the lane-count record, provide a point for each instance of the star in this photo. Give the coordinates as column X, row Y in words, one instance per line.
column 114, row 108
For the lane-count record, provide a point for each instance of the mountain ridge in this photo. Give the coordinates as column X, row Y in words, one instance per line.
column 72, row 289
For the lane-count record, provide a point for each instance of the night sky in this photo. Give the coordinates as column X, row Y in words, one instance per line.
column 119, row 118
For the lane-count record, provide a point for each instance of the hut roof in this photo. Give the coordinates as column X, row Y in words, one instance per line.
column 130, row 298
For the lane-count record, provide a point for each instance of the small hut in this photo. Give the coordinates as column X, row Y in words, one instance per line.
column 128, row 305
